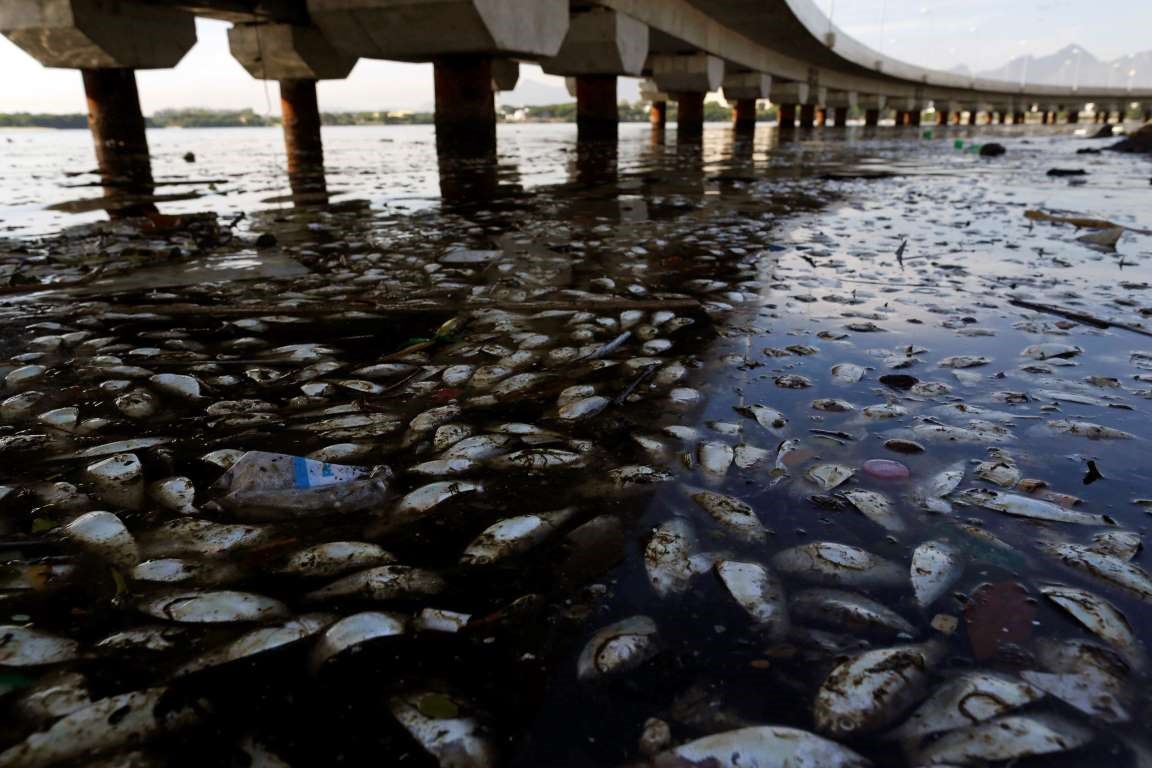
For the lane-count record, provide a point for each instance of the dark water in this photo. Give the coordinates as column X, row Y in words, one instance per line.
column 790, row 247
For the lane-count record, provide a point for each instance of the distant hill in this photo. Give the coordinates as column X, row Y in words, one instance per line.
column 1072, row 64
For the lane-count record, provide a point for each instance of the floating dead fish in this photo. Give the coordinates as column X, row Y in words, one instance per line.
column 422, row 500
column 1006, row 738
column 189, row 536
column 27, row 647
column 936, row 565
column 437, row 722
column 334, row 558
column 1001, row 473
column 119, row 480
column 872, row 690
column 479, row 447
column 536, row 459
column 1032, row 508
column 1111, row 570
column 354, row 630
column 513, row 536
column 849, row 611
column 715, row 458
column 832, row 406
column 1087, row 692
column 1122, row 544
column 830, row 476
column 731, row 513
column 619, row 647
column 1101, row 618
column 964, row 361
column 759, row 592
column 583, row 408
column 971, row 698
column 386, row 582
column 748, row 456
column 848, row 373
column 885, row 411
column 1089, row 430
column 766, row 746
column 667, row 557
column 109, row 725
column 177, row 385
column 769, row 418
column 930, row 495
column 440, row 620
column 259, row 641
column 1050, row 350
column 105, row 536
column 225, row 606
column 876, row 507
column 826, row 562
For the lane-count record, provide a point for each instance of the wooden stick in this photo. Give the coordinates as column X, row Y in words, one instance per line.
column 1080, row 317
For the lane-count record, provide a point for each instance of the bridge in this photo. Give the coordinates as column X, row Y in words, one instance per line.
column 786, row 51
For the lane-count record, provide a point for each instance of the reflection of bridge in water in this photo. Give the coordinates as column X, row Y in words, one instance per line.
column 783, row 50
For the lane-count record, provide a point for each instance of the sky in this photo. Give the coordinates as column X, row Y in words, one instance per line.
column 981, row 34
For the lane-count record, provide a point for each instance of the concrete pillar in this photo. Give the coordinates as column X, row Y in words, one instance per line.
column 942, row 116
column 597, row 113
column 915, row 116
column 787, row 115
column 973, row 114
column 1002, row 117
column 1073, row 115
column 807, row 115
column 1148, row 115
column 840, row 116
column 821, row 118
column 117, row 126
column 1019, row 118
column 744, row 116
column 465, row 105
column 689, row 114
column 658, row 114
column 871, row 118
column 301, row 117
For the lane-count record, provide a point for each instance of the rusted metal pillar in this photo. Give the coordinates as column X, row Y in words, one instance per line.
column 871, row 118
column 117, row 126
column 465, row 105
column 942, row 116
column 658, row 114
column 807, row 115
column 690, row 115
column 787, row 115
column 840, row 116
column 597, row 113
column 744, row 116
column 301, row 117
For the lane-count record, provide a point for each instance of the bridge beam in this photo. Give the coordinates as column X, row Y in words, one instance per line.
column 600, row 41
column 688, row 77
column 743, row 90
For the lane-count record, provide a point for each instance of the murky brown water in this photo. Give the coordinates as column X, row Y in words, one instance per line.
column 682, row 285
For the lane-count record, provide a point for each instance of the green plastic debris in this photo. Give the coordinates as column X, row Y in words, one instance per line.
column 958, row 143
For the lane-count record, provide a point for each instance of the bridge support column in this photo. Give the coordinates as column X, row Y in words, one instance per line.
column 744, row 116
column 1148, row 115
column 658, row 115
column 942, row 116
column 840, row 116
column 916, row 116
column 807, row 115
column 973, row 114
column 300, row 113
column 689, row 115
column 465, row 105
column 1002, row 117
column 821, row 117
column 597, row 113
column 1019, row 118
column 871, row 118
column 1073, row 115
column 787, row 115
column 117, row 126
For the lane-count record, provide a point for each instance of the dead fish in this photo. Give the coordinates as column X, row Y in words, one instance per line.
column 514, row 535
column 1011, row 737
column 386, row 582
column 108, row 725
column 748, row 456
column 884, row 411
column 334, row 558
column 195, row 607
column 715, row 458
column 769, row 418
column 536, row 459
column 831, row 405
column 826, row 562
column 354, row 630
column 1087, row 692
column 119, row 480
column 27, row 647
column 667, row 557
column 478, row 447
column 936, row 565
column 1001, row 473
column 1112, row 570
column 964, row 361
column 848, row 373
column 444, row 467
column 871, row 691
column 1122, row 544
column 420, row 501
column 440, row 620
column 841, row 610
column 930, row 495
column 731, row 513
column 176, row 494
column 172, row 570
column 583, row 408
column 1033, row 508
column 1089, row 430
column 876, row 507
column 759, row 592
column 619, row 647
column 971, row 698
column 177, row 385
column 1050, row 350
column 1101, row 618
column 105, row 536
column 830, row 476
column 765, row 746
column 259, row 641
column 438, row 723
column 203, row 538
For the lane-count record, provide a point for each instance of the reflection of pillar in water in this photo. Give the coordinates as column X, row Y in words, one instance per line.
column 301, row 117
column 117, row 126
column 595, row 163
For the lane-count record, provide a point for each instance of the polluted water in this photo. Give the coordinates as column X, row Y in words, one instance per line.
column 818, row 453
